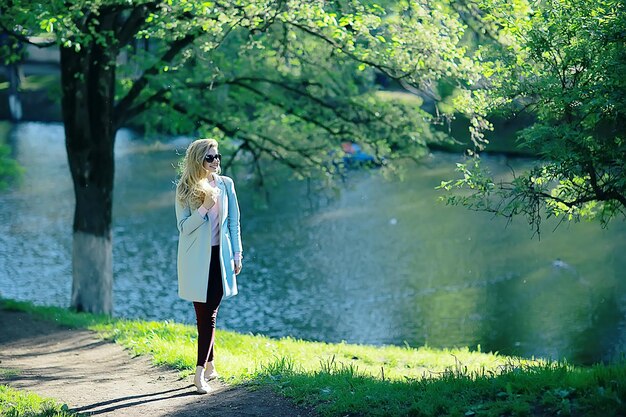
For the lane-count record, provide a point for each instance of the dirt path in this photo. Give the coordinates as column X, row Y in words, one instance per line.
column 95, row 377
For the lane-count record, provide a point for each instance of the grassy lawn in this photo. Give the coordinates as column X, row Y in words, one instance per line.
column 344, row 379
column 15, row 403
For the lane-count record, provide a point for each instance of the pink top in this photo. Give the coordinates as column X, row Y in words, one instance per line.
column 214, row 216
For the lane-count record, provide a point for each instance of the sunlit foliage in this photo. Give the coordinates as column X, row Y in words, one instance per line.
column 565, row 63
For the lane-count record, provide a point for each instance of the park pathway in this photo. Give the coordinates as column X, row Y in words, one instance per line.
column 95, row 377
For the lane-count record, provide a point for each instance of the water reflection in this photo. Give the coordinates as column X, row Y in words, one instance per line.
column 381, row 263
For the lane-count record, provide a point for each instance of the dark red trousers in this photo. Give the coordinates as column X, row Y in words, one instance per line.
column 206, row 313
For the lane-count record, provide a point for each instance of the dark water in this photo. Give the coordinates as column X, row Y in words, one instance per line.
column 379, row 262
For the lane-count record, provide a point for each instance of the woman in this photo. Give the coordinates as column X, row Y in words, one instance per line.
column 209, row 245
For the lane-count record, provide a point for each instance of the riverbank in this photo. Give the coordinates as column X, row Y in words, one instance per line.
column 343, row 379
column 78, row 372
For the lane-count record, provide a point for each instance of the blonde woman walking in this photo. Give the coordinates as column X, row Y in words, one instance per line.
column 209, row 245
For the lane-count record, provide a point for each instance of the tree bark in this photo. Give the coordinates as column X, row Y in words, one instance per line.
column 88, row 79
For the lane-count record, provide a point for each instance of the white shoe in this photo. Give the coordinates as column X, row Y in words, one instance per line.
column 210, row 373
column 201, row 386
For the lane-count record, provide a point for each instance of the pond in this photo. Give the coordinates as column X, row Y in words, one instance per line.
column 378, row 262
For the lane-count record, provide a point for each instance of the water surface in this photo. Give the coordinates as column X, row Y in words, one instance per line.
column 379, row 262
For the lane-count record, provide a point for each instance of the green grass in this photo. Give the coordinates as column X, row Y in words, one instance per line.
column 15, row 403
column 10, row 169
column 9, row 373
column 344, row 379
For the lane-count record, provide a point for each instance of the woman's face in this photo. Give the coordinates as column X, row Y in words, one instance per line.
column 212, row 160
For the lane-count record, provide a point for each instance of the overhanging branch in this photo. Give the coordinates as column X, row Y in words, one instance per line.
column 134, row 22
column 386, row 69
column 25, row 39
column 249, row 138
column 125, row 103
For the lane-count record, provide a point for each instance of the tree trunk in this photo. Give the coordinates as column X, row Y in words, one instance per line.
column 88, row 79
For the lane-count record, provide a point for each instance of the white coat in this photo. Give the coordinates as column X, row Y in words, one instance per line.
column 194, row 245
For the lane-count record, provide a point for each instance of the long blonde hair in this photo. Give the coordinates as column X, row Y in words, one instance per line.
column 192, row 185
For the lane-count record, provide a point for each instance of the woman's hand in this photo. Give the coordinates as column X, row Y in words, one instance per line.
column 208, row 201
column 238, row 266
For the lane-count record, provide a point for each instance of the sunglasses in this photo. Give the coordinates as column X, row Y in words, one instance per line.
column 211, row 158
